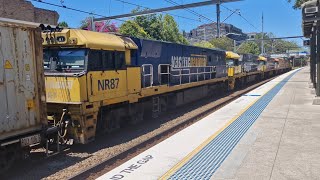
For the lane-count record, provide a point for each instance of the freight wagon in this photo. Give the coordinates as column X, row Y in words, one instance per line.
column 22, row 92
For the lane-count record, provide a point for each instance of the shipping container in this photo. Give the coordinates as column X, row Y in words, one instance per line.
column 22, row 92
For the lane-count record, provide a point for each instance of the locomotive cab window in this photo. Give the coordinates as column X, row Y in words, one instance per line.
column 100, row 60
column 120, row 61
column 230, row 62
column 95, row 60
column 64, row 59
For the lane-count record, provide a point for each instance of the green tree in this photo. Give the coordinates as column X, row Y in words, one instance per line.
column 131, row 28
column 267, row 43
column 170, row 30
column 153, row 26
column 204, row 44
column 224, row 43
column 282, row 46
column 63, row 24
column 298, row 3
column 249, row 48
column 85, row 23
column 274, row 46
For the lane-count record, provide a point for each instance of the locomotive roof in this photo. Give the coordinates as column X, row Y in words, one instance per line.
column 261, row 58
column 216, row 49
column 88, row 39
column 232, row 55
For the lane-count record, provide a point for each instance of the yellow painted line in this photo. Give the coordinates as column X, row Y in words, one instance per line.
column 206, row 142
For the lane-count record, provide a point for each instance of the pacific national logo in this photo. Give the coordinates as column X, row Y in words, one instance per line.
column 192, row 61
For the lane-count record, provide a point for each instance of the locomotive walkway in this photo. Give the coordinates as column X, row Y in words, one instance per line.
column 272, row 132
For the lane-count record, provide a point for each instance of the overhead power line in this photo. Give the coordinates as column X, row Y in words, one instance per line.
column 191, row 11
column 72, row 9
column 137, row 5
column 239, row 14
column 164, row 9
column 276, row 38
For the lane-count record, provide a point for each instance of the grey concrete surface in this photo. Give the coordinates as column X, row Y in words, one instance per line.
column 284, row 143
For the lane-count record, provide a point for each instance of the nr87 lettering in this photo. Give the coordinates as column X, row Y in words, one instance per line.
column 106, row 84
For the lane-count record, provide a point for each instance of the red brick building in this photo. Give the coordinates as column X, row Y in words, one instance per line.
column 24, row 10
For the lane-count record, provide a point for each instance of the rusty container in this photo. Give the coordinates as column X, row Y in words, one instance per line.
column 22, row 92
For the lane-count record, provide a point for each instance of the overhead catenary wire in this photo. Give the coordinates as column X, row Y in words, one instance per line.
column 191, row 11
column 100, row 15
column 239, row 14
column 137, row 5
column 73, row 9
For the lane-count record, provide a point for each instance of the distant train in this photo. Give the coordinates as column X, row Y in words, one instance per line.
column 99, row 82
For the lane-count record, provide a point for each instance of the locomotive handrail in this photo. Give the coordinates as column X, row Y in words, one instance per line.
column 145, row 75
column 163, row 73
column 169, row 71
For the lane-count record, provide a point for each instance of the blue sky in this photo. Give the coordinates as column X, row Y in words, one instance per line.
column 279, row 17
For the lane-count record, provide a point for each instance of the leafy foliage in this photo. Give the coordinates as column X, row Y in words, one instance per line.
column 223, row 43
column 204, row 44
column 276, row 46
column 133, row 29
column 252, row 47
column 153, row 26
column 249, row 48
column 298, row 3
column 63, row 24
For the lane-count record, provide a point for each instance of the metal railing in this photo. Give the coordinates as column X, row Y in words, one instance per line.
column 184, row 71
column 146, row 75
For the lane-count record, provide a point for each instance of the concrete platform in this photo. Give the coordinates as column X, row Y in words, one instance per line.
column 273, row 132
column 284, row 143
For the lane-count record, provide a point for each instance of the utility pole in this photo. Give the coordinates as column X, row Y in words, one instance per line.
column 93, row 25
column 317, row 57
column 218, row 18
column 262, row 37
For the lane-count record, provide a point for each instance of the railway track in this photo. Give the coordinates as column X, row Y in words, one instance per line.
column 98, row 169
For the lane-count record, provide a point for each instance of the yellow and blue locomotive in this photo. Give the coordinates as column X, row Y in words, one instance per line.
column 98, row 82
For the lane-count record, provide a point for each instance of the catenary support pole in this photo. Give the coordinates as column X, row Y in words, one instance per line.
column 318, row 60
column 262, row 37
column 312, row 56
column 218, row 19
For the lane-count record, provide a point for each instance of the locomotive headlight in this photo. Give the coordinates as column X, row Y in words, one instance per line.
column 61, row 39
column 73, row 40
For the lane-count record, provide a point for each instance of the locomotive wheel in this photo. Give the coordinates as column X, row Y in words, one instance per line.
column 8, row 155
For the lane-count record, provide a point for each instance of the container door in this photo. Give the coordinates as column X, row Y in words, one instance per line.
column 3, row 90
column 17, row 82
